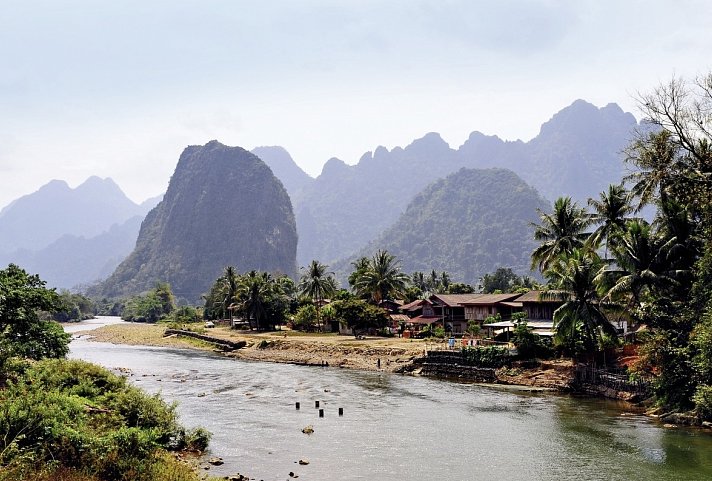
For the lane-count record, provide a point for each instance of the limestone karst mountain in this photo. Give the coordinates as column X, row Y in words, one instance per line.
column 223, row 207
column 577, row 153
column 466, row 224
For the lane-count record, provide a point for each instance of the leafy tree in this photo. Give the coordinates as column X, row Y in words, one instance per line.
column 318, row 284
column 22, row 332
column 560, row 232
column 359, row 315
column 382, row 278
column 74, row 307
column 304, row 318
column 503, row 279
column 253, row 294
column 156, row 304
column 460, row 288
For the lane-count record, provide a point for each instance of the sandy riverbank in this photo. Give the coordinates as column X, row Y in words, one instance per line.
column 280, row 346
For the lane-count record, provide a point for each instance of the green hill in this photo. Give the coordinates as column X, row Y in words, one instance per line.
column 467, row 224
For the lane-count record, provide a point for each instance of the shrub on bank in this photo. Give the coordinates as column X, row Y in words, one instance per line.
column 68, row 419
column 490, row 356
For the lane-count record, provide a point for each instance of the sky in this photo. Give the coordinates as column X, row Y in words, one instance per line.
column 118, row 89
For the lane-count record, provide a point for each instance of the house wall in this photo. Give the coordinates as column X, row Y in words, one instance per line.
column 540, row 311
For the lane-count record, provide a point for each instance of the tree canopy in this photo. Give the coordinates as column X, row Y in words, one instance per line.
column 22, row 332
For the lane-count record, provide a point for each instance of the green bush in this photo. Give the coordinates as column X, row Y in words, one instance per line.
column 59, row 415
column 491, row 356
column 703, row 401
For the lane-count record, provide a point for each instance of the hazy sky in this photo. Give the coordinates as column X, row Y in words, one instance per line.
column 119, row 88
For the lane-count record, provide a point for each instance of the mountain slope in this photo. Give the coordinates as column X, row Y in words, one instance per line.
column 223, row 207
column 73, row 260
column 577, row 153
column 467, row 224
column 285, row 169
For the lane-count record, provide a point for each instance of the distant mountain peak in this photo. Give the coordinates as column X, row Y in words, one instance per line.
column 429, row 142
column 334, row 165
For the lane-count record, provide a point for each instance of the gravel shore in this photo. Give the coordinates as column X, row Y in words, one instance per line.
column 374, row 354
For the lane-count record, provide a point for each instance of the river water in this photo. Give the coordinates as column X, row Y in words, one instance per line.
column 399, row 427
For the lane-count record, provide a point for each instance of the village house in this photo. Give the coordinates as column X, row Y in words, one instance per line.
column 419, row 314
column 482, row 306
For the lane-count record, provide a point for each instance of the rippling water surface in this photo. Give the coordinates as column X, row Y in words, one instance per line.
column 401, row 428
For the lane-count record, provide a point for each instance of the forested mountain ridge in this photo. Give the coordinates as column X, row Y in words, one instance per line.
column 467, row 224
column 223, row 207
column 577, row 153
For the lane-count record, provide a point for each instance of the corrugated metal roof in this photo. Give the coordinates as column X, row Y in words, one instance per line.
column 537, row 296
column 489, row 299
column 451, row 300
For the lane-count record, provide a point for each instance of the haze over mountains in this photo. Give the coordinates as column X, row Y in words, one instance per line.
column 577, row 153
column 347, row 210
column 71, row 236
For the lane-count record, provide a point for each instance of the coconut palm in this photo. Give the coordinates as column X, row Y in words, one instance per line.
column 580, row 320
column 253, row 294
column 561, row 232
column 382, row 279
column 641, row 263
column 231, row 280
column 318, row 284
column 610, row 213
column 657, row 158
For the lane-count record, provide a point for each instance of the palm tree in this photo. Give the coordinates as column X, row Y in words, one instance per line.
column 641, row 263
column 562, row 231
column 580, row 319
column 657, row 158
column 317, row 284
column 231, row 280
column 382, row 279
column 253, row 293
column 610, row 213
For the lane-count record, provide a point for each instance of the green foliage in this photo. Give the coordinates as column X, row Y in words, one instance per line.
column 359, row 315
column 490, row 356
column 466, row 224
column 156, row 304
column 58, row 415
column 305, row 318
column 503, row 279
column 560, row 232
column 257, row 297
column 318, row 284
column 528, row 344
column 380, row 278
column 473, row 328
column 186, row 314
column 74, row 307
column 22, row 333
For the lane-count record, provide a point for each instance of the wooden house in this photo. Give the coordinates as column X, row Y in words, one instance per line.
column 482, row 306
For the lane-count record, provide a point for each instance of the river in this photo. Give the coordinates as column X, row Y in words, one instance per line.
column 398, row 427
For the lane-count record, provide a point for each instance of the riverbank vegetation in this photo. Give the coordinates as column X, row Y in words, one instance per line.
column 611, row 264
column 72, row 420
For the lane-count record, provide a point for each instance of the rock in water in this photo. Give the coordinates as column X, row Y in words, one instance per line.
column 223, row 207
